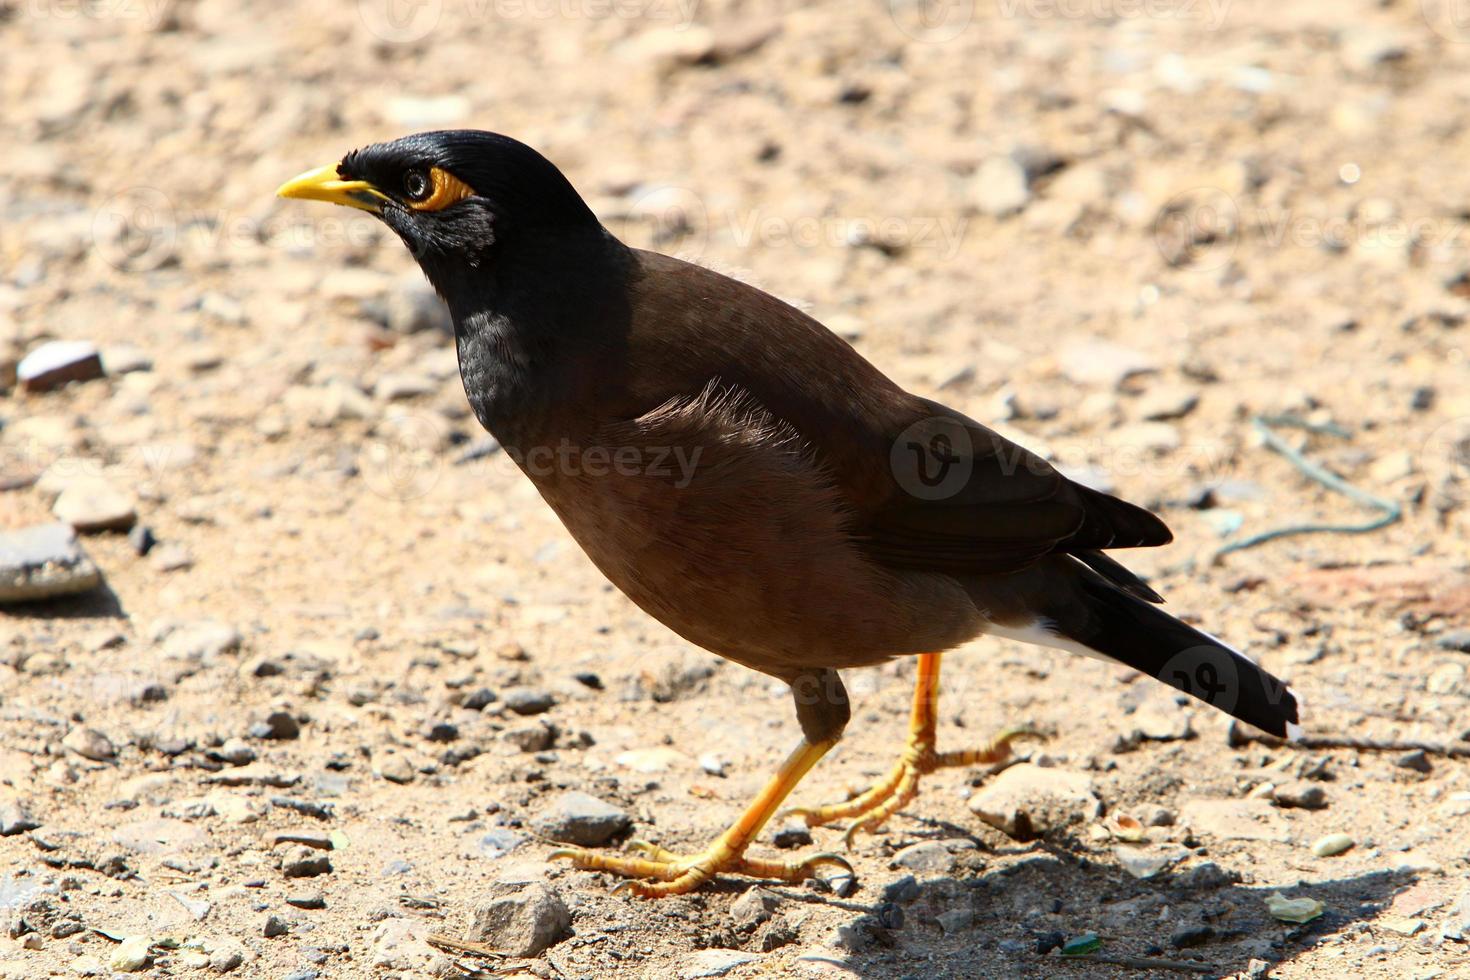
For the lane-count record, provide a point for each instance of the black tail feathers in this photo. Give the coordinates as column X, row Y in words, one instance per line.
column 1128, row 629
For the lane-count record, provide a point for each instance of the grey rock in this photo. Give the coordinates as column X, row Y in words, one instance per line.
column 576, row 818
column 305, row 862
column 1300, row 794
column 1207, row 874
column 904, row 889
column 1027, row 800
column 1457, row 640
column 59, row 362
column 44, row 561
column 927, row 857
column 535, row 737
column 141, row 539
column 93, row 504
column 226, row 959
column 792, row 835
column 275, row 926
column 1189, row 936
column 279, row 726
column 201, row 641
column 89, row 744
column 396, row 769
column 753, row 908
column 307, row 900
column 15, row 818
column 528, row 700
column 477, row 700
column 521, row 918
column 1416, row 760
column 956, row 920
column 413, row 307
column 497, row 842
column 1148, row 860
column 237, row 752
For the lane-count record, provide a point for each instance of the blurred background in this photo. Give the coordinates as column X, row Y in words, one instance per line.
column 1118, row 230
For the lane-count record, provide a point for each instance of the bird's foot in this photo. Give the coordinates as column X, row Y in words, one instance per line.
column 672, row 874
column 870, row 809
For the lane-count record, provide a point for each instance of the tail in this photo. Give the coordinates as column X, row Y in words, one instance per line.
column 1103, row 618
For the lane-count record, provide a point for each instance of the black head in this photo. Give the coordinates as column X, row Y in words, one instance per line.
column 465, row 202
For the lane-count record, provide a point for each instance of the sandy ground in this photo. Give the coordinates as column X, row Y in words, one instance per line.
column 1261, row 208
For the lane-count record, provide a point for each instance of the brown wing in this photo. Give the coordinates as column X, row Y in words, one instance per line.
column 966, row 500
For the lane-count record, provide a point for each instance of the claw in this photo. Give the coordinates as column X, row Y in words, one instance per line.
column 565, row 853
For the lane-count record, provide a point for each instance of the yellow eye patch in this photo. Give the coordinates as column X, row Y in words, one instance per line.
column 447, row 189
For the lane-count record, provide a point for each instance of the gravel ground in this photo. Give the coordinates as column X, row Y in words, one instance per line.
column 338, row 705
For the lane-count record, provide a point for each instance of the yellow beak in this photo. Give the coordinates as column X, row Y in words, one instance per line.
column 323, row 184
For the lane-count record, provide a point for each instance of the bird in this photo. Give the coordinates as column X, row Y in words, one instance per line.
column 747, row 478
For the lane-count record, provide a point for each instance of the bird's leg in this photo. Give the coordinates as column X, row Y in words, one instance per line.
column 821, row 706
column 871, row 808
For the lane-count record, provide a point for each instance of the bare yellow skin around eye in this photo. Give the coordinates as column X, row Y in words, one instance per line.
column 447, row 190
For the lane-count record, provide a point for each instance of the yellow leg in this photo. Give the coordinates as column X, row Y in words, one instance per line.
column 870, row 809
column 675, row 875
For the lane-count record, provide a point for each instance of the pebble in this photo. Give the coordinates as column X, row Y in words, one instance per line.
column 412, row 306
column 305, row 862
column 753, row 908
column 1456, row 640
column 396, row 769
column 1026, row 800
column 123, row 359
column 478, row 700
column 1000, row 187
column 531, row 738
column 1301, row 794
column 1164, row 403
column 1416, row 760
column 792, row 835
column 1147, row 861
column 955, row 920
column 712, row 764
column 275, row 926
column 521, row 918
column 279, row 726
column 226, row 958
column 57, row 363
column 42, row 562
column 577, row 818
column 657, row 759
column 713, row 963
column 15, row 818
column 141, row 539
column 171, row 558
column 1103, row 363
column 130, row 955
column 927, row 857
column 236, row 751
column 1332, row 844
column 89, row 744
column 527, row 700
column 201, row 641
column 91, row 504
column 1187, row 937
column 309, row 900
column 902, row 890
column 400, row 386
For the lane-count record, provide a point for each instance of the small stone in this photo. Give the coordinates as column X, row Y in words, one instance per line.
column 1165, row 403
column 89, row 744
column 753, row 908
column 1301, row 794
column 792, row 835
column 576, row 818
column 275, row 926
column 202, row 641
column 278, row 726
column 528, row 700
column 125, row 359
column 413, row 307
column 1147, row 861
column 1416, row 760
column 1457, row 640
column 400, row 386
column 15, row 818
column 901, row 890
column 236, row 751
column 226, row 958
column 130, row 955
column 1207, row 874
column 309, row 900
column 92, row 504
column 305, row 862
column 1026, row 800
column 477, row 700
column 396, row 769
column 712, row 764
column 531, row 738
column 1331, row 845
column 1153, row 815
column 1102, row 363
column 521, row 918
column 59, row 362
column 171, row 557
column 42, row 562
column 658, row 759
column 442, row 731
column 141, row 539
column 928, row 857
column 1000, row 187
column 713, row 963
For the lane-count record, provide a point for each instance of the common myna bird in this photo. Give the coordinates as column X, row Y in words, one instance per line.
column 750, row 481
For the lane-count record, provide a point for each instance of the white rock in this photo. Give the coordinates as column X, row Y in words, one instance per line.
column 94, row 504
column 1027, row 800
column 1000, row 186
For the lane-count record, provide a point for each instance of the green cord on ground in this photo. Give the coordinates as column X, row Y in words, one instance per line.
column 1390, row 511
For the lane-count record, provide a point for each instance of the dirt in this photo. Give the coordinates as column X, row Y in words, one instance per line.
column 1262, row 208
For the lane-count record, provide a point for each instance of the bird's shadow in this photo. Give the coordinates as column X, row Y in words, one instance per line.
column 1021, row 910
column 97, row 603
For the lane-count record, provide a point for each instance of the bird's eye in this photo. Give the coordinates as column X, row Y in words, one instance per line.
column 416, row 185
